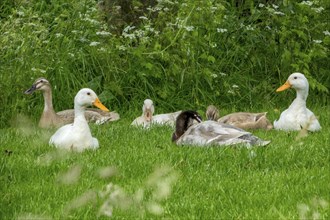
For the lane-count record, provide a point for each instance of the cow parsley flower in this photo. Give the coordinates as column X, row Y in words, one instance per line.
column 222, row 30
column 327, row 33
column 94, row 43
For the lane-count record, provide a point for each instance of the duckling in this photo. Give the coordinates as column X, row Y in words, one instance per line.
column 297, row 116
column 243, row 120
column 210, row 132
column 50, row 118
column 77, row 136
column 147, row 118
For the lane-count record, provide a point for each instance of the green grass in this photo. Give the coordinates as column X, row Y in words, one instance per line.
column 275, row 182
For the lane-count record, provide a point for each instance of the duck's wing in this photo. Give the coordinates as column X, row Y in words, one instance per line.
column 215, row 133
column 312, row 123
column 211, row 132
column 63, row 137
column 141, row 122
column 238, row 117
column 166, row 119
column 92, row 115
column 112, row 116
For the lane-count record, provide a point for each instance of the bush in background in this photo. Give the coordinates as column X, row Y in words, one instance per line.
column 182, row 54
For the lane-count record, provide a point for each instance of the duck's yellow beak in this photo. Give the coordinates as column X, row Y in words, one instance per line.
column 98, row 104
column 285, row 86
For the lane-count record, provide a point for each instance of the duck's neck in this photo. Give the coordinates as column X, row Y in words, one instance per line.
column 48, row 107
column 301, row 98
column 180, row 128
column 79, row 116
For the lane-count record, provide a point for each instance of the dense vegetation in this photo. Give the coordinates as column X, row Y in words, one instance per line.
column 182, row 54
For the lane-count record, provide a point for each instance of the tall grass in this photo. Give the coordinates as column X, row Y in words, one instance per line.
column 140, row 174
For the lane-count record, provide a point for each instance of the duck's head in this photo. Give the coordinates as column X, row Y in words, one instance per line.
column 87, row 97
column 184, row 120
column 297, row 81
column 148, row 109
column 41, row 84
column 212, row 113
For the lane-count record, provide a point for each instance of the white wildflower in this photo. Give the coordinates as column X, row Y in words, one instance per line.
column 261, row 5
column 222, row 74
column 71, row 54
column 309, row 3
column 101, row 49
column 21, row 13
column 326, row 33
column 231, row 92
column 317, row 41
column 103, row 33
column 275, row 6
column 130, row 36
column 94, row 43
column 82, row 39
column 221, row 30
column 189, row 28
column 92, row 21
column 235, row 86
column 318, row 10
column 38, row 70
column 121, row 47
column 45, row 42
column 278, row 13
column 213, row 75
column 249, row 28
column 166, row 9
column 58, row 35
column 143, row 18
column 213, row 45
column 128, row 28
column 213, row 9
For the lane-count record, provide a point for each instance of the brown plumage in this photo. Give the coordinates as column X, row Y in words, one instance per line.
column 243, row 120
column 50, row 118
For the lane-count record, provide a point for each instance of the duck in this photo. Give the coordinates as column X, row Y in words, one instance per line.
column 210, row 133
column 77, row 136
column 297, row 116
column 243, row 120
column 49, row 118
column 148, row 118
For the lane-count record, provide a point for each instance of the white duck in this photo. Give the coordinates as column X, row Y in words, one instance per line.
column 50, row 118
column 77, row 136
column 147, row 118
column 210, row 133
column 297, row 116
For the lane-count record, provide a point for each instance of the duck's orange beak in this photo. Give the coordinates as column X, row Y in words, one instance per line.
column 98, row 104
column 285, row 86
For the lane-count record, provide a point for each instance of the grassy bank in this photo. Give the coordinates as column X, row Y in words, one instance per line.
column 147, row 176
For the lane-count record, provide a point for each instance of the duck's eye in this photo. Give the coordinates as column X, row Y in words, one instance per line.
column 88, row 93
column 41, row 81
column 295, row 77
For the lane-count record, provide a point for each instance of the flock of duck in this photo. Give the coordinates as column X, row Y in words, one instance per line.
column 74, row 132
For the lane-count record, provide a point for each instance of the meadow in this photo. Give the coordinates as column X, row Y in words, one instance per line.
column 140, row 173
column 183, row 55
